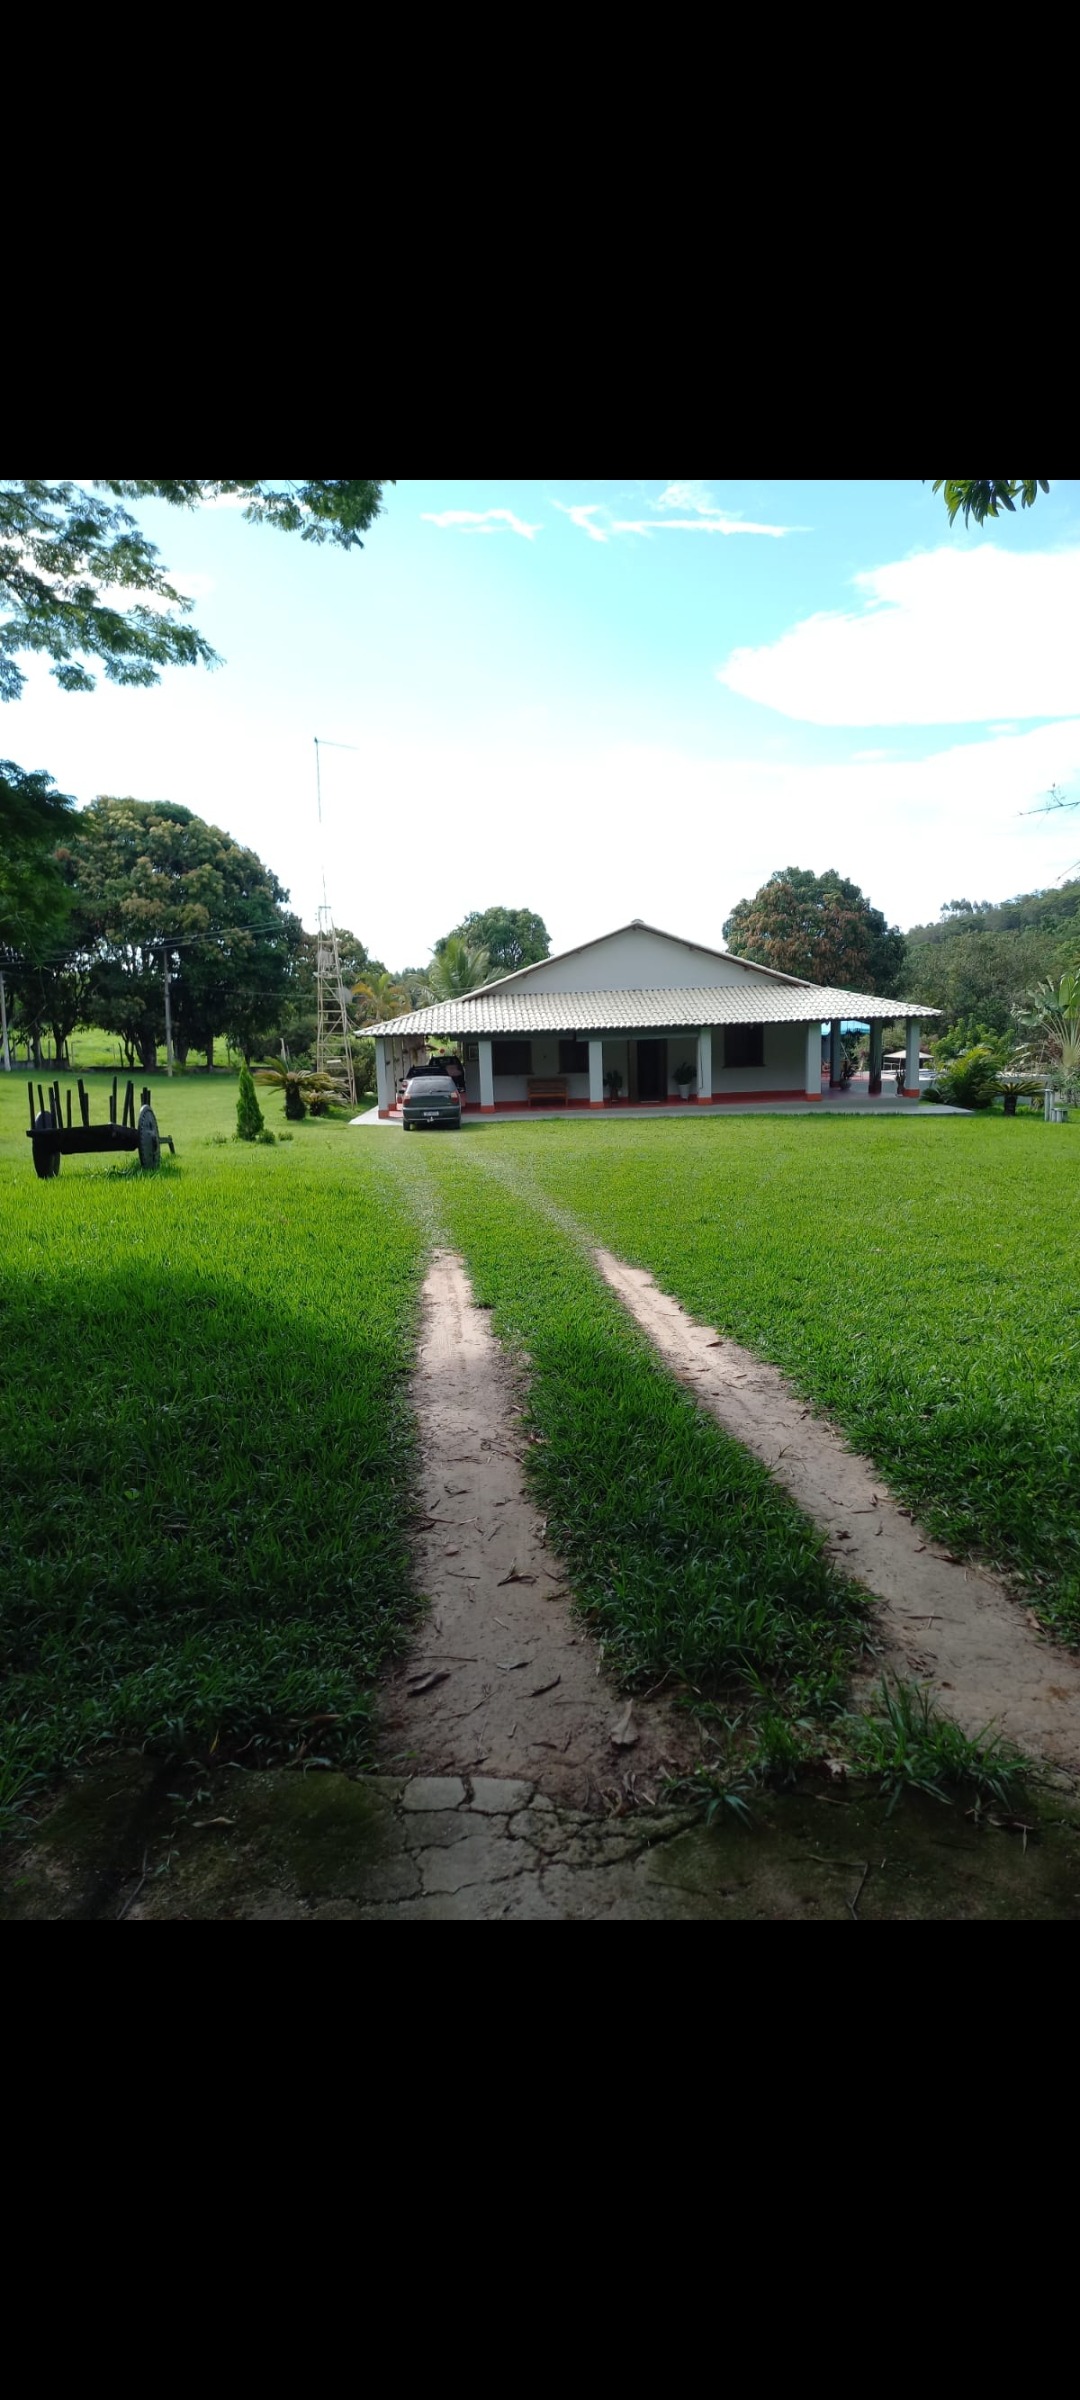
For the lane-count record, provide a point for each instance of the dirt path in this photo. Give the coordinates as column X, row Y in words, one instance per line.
column 504, row 1681
column 940, row 1621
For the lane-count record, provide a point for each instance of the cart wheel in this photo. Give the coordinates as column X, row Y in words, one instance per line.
column 149, row 1139
column 46, row 1159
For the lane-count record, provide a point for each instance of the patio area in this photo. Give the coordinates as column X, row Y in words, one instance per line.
column 855, row 1100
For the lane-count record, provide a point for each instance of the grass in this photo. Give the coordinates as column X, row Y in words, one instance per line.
column 917, row 1279
column 204, row 1440
column 902, row 1743
column 906, row 1743
column 688, row 1559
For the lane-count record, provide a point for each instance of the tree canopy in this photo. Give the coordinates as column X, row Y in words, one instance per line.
column 455, row 970
column 982, row 500
column 81, row 584
column 34, row 816
column 980, row 957
column 512, row 937
column 80, row 581
column 819, row 927
column 149, row 882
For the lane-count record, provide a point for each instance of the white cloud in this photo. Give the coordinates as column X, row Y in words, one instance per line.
column 483, row 520
column 911, row 832
column 583, row 516
column 976, row 636
column 701, row 514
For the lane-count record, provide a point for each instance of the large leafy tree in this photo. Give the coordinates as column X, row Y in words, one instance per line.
column 512, row 937
column 81, row 584
column 152, row 883
column 819, row 927
column 34, row 816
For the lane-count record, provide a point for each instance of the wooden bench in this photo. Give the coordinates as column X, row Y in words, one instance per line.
column 546, row 1087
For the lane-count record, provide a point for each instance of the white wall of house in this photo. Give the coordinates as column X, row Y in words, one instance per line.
column 636, row 960
column 545, row 1061
column 784, row 1068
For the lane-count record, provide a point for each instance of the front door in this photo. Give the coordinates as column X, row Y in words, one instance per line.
column 652, row 1070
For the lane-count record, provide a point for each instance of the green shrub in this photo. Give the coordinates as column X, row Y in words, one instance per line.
column 294, row 1102
column 249, row 1116
column 971, row 1080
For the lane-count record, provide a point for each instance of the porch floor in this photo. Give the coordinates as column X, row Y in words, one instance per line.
column 855, row 1101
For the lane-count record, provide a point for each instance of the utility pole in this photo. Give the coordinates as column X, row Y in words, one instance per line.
column 168, row 1014
column 3, row 1024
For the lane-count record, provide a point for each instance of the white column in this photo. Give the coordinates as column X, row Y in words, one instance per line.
column 596, row 1073
column 813, row 1060
column 487, row 1080
column 877, row 1044
column 704, row 1066
column 911, row 1073
column 836, row 1053
column 381, row 1079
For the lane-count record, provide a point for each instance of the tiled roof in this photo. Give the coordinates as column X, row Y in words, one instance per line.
column 500, row 1011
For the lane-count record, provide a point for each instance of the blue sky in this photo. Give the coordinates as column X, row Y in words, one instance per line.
column 608, row 699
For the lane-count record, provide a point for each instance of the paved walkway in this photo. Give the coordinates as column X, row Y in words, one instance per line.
column 852, row 1103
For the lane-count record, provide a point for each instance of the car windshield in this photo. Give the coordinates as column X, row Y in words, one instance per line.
column 431, row 1087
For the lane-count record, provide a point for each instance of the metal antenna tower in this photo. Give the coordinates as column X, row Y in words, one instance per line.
column 333, row 1029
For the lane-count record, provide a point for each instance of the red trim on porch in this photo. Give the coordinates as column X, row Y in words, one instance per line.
column 725, row 1098
column 910, row 1095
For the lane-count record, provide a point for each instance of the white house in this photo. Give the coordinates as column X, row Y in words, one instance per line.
column 638, row 1004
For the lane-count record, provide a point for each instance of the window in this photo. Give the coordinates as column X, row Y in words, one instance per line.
column 573, row 1058
column 744, row 1045
column 511, row 1058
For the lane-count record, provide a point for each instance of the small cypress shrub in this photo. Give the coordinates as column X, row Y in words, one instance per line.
column 249, row 1116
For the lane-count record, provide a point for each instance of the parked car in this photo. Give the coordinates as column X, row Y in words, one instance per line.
column 430, row 1100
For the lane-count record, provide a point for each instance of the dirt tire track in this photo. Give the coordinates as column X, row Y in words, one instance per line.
column 940, row 1621
column 551, row 1718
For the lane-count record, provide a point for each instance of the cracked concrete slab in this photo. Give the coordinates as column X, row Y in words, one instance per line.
column 336, row 1850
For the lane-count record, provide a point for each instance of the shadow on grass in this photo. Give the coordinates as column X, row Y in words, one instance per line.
column 201, row 1515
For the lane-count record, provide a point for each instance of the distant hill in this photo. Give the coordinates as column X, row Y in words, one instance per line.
column 982, row 956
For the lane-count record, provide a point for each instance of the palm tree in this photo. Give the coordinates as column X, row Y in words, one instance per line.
column 378, row 997
column 1051, row 1020
column 456, row 970
column 303, row 1088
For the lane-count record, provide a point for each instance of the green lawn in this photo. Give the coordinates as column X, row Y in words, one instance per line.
column 918, row 1279
column 687, row 1556
column 205, row 1446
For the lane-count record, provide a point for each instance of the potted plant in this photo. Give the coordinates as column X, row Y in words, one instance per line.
column 613, row 1084
column 684, row 1076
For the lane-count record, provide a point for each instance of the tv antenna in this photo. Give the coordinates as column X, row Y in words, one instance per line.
column 333, row 1029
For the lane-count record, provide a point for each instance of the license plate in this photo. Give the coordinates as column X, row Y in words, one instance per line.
column 431, row 1116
